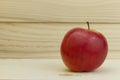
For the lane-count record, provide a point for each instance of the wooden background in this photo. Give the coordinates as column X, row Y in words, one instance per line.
column 35, row 28
column 42, row 40
column 60, row 11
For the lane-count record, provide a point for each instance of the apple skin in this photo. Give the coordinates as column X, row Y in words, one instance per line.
column 83, row 50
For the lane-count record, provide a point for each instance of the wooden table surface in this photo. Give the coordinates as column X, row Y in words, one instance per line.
column 54, row 69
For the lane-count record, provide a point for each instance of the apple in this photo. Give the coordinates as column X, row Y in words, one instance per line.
column 83, row 50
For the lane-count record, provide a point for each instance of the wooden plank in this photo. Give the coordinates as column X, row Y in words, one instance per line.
column 54, row 69
column 60, row 11
column 42, row 40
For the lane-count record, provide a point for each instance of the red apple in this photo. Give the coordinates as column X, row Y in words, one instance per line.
column 83, row 50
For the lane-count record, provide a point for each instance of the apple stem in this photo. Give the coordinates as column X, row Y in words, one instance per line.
column 88, row 25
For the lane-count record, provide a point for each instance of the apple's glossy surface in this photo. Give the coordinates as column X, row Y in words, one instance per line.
column 83, row 50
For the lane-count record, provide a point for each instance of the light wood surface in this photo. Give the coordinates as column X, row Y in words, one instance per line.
column 54, row 69
column 60, row 11
column 42, row 40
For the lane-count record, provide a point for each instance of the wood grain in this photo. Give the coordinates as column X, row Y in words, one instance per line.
column 42, row 40
column 60, row 11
